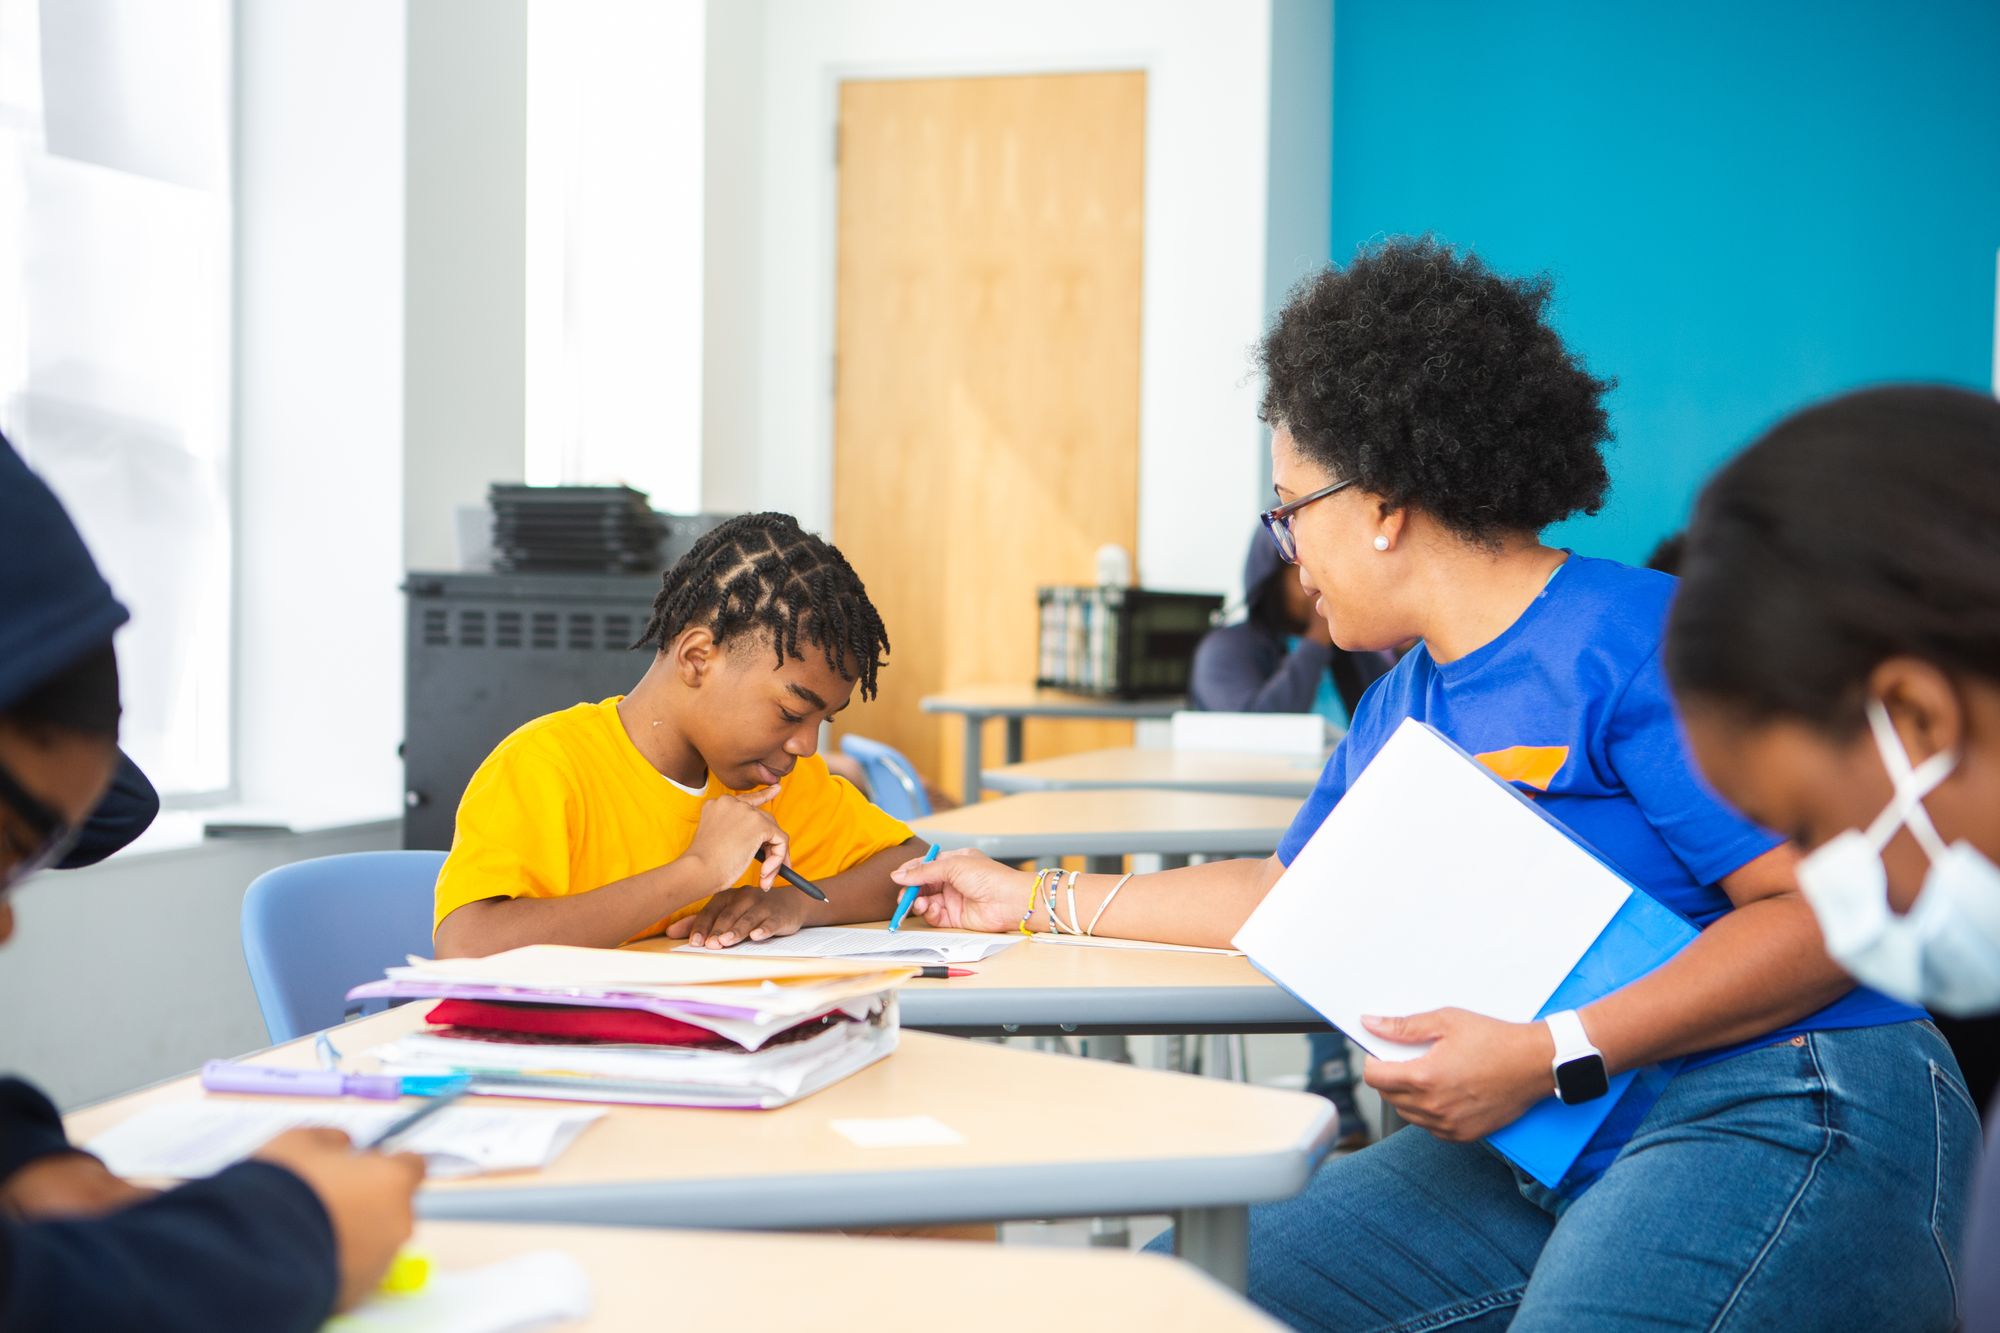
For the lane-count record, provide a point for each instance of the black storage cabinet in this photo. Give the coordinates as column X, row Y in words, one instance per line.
column 487, row 652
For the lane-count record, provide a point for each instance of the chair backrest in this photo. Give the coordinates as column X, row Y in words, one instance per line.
column 897, row 788
column 314, row 929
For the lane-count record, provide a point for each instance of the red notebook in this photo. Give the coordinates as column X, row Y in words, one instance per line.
column 572, row 1022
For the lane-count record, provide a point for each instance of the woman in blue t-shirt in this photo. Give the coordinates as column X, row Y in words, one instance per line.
column 1428, row 424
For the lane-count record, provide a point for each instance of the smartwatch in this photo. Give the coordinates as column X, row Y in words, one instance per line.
column 1578, row 1066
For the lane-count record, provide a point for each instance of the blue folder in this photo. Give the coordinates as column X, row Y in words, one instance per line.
column 1644, row 933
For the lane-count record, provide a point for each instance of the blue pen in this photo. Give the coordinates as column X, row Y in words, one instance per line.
column 908, row 896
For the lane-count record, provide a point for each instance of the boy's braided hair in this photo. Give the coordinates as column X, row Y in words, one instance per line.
column 763, row 572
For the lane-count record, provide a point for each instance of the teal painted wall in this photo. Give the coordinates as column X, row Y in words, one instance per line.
column 1745, row 206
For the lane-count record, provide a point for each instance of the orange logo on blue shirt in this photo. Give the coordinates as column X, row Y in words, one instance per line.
column 1530, row 765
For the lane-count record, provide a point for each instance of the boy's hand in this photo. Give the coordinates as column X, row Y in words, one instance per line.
column 68, row 1184
column 735, row 915
column 733, row 832
column 367, row 1197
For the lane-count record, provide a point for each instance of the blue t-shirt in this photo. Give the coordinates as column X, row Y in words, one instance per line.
column 1570, row 705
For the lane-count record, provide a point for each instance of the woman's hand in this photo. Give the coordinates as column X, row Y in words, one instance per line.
column 1480, row 1074
column 733, row 832
column 68, row 1184
column 735, row 915
column 966, row 890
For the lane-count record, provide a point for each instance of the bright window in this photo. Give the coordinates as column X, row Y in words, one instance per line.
column 115, row 334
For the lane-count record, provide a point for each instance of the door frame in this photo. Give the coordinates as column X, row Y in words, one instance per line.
column 1210, row 96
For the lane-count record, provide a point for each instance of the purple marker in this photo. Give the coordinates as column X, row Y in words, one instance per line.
column 229, row 1076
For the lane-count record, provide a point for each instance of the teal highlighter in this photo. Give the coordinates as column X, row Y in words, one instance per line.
column 908, row 896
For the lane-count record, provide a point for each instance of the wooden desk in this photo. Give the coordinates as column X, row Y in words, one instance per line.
column 709, row 1280
column 1235, row 773
column 1016, row 704
column 1106, row 826
column 1044, row 1136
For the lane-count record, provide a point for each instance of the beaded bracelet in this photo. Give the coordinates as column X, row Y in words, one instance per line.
column 1055, row 918
column 1034, row 892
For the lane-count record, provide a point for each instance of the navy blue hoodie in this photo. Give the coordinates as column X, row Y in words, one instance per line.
column 1246, row 668
column 249, row 1248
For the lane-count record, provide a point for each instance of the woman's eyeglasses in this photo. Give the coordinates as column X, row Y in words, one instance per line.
column 1278, row 522
column 54, row 835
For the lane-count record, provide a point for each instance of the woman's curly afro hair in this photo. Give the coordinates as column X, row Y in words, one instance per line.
column 1435, row 382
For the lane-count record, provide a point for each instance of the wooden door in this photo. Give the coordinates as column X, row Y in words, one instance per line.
column 986, row 413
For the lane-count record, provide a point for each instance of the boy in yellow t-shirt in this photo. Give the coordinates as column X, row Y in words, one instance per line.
column 670, row 809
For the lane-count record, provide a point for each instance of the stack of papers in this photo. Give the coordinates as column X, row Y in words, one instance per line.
column 777, row 1029
column 902, row 946
column 745, row 1000
column 188, row 1140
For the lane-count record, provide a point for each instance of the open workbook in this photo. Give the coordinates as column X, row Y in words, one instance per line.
column 901, row 946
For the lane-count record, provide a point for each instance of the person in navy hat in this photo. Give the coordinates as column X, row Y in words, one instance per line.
column 279, row 1242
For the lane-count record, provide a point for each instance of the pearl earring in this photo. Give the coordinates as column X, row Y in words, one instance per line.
column 1381, row 543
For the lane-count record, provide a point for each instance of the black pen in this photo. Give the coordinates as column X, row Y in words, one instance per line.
column 800, row 882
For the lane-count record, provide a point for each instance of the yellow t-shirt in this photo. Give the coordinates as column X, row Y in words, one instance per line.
column 567, row 804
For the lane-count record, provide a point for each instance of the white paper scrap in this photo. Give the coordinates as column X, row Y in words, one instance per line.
column 908, row 1131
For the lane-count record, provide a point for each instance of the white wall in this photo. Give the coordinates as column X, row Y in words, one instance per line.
column 319, row 407
column 1208, row 72
column 614, row 245
column 465, row 308
column 732, row 197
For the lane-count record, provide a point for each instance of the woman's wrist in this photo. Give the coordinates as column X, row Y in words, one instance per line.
column 1537, row 1058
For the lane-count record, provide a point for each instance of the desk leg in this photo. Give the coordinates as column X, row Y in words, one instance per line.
column 1217, row 1241
column 970, row 779
column 1015, row 726
column 1115, row 1048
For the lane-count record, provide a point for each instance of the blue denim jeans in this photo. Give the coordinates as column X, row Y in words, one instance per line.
column 1820, row 1182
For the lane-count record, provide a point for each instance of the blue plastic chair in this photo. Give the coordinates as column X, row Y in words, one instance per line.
column 315, row 929
column 897, row 789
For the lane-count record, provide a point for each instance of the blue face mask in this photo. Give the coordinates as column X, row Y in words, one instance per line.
column 1944, row 953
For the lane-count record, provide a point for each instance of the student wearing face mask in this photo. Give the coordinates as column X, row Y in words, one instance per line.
column 1835, row 649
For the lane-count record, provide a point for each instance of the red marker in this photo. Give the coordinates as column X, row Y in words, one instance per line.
column 945, row 973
